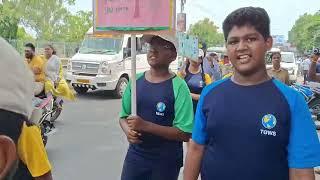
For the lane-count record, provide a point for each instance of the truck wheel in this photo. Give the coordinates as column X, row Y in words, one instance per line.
column 121, row 87
column 81, row 90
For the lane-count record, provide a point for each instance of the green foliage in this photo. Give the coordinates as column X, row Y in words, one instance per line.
column 207, row 31
column 23, row 35
column 8, row 21
column 305, row 34
column 77, row 25
column 49, row 19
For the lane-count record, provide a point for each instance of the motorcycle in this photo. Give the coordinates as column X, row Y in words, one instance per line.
column 44, row 114
column 56, row 110
column 311, row 94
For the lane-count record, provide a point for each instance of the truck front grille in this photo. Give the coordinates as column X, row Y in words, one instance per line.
column 85, row 68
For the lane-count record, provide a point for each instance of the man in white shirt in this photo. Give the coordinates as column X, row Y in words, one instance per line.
column 306, row 66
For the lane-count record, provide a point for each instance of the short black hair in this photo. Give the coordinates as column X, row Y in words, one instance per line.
column 54, row 52
column 30, row 45
column 316, row 51
column 213, row 54
column 252, row 16
column 274, row 53
column 203, row 46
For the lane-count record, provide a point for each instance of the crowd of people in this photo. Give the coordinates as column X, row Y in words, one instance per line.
column 239, row 122
column 247, row 125
column 312, row 66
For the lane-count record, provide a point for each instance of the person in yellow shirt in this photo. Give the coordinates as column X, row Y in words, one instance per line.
column 37, row 66
column 16, row 93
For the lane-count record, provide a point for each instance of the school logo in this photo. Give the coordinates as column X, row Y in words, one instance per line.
column 269, row 121
column 201, row 84
column 161, row 107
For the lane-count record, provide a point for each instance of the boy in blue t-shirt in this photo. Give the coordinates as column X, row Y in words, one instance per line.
column 165, row 117
column 251, row 126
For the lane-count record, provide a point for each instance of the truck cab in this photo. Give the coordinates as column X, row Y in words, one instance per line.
column 103, row 62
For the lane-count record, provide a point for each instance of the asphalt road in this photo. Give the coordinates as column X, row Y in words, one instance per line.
column 89, row 143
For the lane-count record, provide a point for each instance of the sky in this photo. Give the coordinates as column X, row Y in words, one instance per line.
column 283, row 13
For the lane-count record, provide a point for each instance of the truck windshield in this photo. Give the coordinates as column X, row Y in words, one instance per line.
column 287, row 58
column 94, row 45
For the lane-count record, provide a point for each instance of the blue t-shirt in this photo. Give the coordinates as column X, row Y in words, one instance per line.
column 195, row 84
column 254, row 132
column 166, row 104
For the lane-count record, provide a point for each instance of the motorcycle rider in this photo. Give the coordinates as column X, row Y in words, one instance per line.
column 313, row 67
column 55, row 84
column 37, row 65
column 16, row 93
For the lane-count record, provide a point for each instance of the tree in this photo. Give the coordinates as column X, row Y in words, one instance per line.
column 45, row 17
column 8, row 21
column 305, row 34
column 49, row 19
column 23, row 35
column 76, row 26
column 207, row 31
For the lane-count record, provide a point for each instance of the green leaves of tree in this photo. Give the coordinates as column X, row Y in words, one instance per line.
column 305, row 34
column 207, row 31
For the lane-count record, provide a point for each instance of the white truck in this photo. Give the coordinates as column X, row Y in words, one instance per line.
column 289, row 63
column 104, row 63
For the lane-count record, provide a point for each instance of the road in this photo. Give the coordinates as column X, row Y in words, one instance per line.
column 89, row 143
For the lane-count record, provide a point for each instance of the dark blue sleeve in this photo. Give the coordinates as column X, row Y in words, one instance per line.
column 199, row 134
column 304, row 146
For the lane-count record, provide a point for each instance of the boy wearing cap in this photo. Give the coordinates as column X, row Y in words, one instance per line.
column 251, row 126
column 16, row 93
column 164, row 117
column 313, row 67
